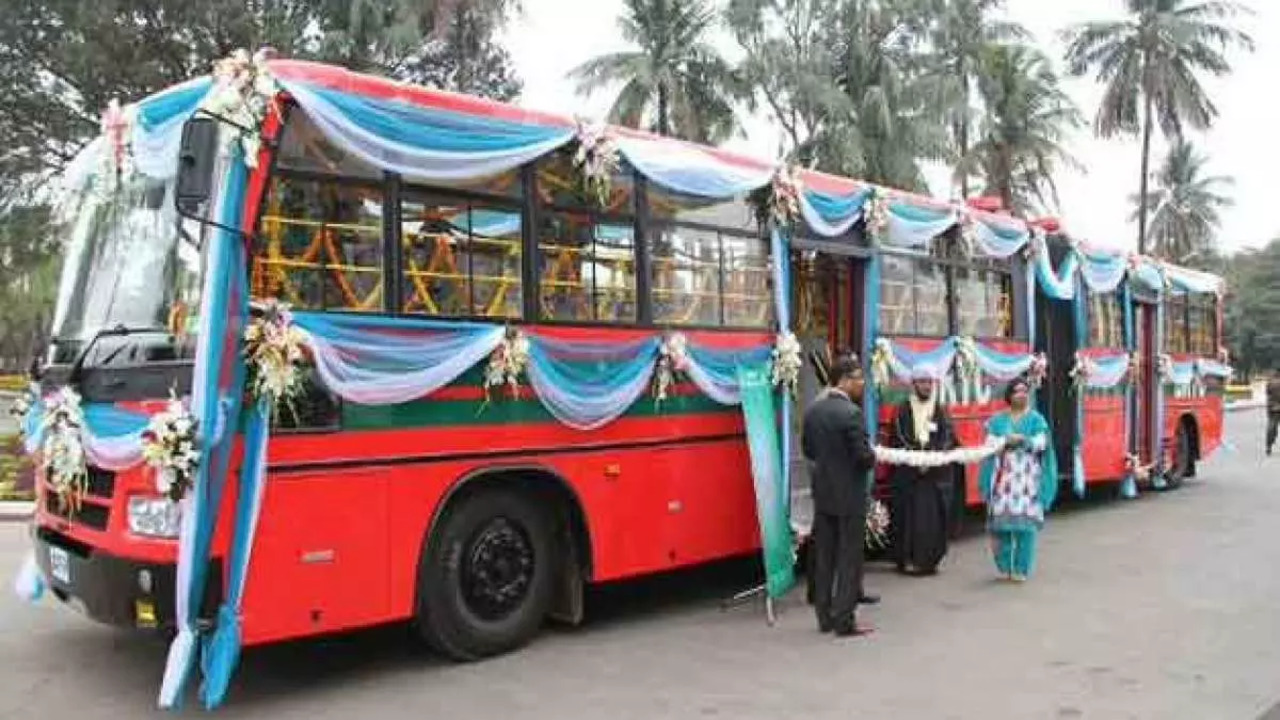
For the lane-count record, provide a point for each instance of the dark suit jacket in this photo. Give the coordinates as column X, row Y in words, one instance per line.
column 834, row 438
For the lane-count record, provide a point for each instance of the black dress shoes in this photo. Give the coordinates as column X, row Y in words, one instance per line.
column 868, row 599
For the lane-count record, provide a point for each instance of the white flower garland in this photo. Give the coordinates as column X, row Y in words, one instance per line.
column 170, row 448
column 673, row 358
column 882, row 363
column 967, row 359
column 1082, row 369
column 924, row 459
column 786, row 361
column 20, row 409
column 1038, row 370
column 1224, row 355
column 243, row 94
column 274, row 351
column 507, row 363
column 878, row 520
column 877, row 216
column 596, row 161
column 968, row 234
column 116, row 162
column 1135, row 365
column 63, row 449
column 1164, row 366
column 1140, row 472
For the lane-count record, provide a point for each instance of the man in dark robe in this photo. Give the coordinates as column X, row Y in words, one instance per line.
column 834, row 439
column 921, row 501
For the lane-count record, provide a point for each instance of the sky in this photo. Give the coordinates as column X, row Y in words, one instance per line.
column 1244, row 144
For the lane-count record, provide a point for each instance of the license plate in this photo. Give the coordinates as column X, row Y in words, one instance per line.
column 60, row 565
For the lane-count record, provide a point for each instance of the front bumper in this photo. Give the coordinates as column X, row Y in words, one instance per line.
column 114, row 590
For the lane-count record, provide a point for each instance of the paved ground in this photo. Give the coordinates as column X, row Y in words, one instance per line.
column 1164, row 607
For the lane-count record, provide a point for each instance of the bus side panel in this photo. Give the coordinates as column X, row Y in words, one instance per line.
column 1104, row 446
column 971, row 431
column 1207, row 410
column 321, row 560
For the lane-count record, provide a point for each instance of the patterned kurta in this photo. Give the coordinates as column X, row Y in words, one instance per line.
column 1015, row 499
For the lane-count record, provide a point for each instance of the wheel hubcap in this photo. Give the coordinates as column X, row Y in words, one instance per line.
column 498, row 569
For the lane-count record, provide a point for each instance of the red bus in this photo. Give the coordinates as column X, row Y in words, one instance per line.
column 476, row 516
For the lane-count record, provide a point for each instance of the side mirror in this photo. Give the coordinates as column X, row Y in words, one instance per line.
column 196, row 160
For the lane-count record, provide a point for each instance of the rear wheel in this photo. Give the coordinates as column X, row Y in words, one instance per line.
column 1183, row 464
column 486, row 579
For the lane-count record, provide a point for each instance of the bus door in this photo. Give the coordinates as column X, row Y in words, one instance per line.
column 826, row 301
column 1145, row 395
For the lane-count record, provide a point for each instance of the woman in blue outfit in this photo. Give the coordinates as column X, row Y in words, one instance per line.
column 1019, row 483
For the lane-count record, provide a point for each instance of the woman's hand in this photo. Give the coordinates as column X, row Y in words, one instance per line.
column 1014, row 440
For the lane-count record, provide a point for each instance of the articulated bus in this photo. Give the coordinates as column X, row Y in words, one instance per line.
column 480, row 515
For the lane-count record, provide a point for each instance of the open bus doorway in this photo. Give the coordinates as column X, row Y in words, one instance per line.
column 1145, row 392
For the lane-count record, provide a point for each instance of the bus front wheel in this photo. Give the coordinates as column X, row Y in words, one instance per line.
column 486, row 580
column 1183, row 464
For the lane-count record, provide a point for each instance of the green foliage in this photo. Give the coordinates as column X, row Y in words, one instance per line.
column 1184, row 205
column 1252, row 309
column 673, row 82
column 17, row 474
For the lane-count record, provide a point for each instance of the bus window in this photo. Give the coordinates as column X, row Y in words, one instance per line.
column 1202, row 327
column 984, row 302
column 321, row 245
column 686, row 276
column 748, row 300
column 1175, row 325
column 588, row 269
column 462, row 258
column 1106, row 321
column 913, row 298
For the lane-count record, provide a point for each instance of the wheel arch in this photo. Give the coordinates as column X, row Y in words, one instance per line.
column 1192, row 425
column 543, row 483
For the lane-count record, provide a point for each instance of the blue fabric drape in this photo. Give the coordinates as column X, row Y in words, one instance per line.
column 871, row 323
column 916, row 227
column 1001, row 366
column 217, row 386
column 1080, row 321
column 588, row 386
column 423, row 143
column 689, row 169
column 833, row 215
column 1129, row 486
column 157, row 131
column 999, row 240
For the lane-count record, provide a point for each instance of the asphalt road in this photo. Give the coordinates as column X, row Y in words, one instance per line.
column 1163, row 607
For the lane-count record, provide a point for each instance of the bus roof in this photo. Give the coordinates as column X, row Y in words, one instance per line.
column 313, row 75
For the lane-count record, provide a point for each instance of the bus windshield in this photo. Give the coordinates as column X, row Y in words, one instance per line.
column 129, row 263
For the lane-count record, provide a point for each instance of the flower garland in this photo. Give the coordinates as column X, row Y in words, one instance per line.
column 968, row 234
column 1164, row 366
column 967, row 359
column 596, row 161
column 1135, row 365
column 20, row 409
column 878, row 520
column 878, row 216
column 924, row 459
column 882, row 363
column 507, row 363
column 244, row 93
column 274, row 351
column 1082, row 369
column 63, row 450
column 116, row 162
column 1134, row 466
column 170, row 448
column 1038, row 370
column 1224, row 355
column 786, row 361
column 673, row 358
column 779, row 201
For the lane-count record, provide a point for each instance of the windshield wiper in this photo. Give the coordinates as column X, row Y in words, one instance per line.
column 119, row 330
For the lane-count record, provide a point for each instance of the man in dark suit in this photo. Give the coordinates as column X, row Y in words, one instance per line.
column 834, row 439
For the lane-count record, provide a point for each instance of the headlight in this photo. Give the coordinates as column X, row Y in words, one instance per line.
column 154, row 517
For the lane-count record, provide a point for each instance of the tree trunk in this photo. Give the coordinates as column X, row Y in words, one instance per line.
column 1147, row 122
column 664, row 127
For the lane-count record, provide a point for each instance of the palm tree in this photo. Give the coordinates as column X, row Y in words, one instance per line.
column 961, row 30
column 675, row 82
column 1150, row 63
column 1027, row 117
column 894, row 123
column 1184, row 205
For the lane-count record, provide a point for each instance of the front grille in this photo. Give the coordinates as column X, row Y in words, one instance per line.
column 89, row 515
column 101, row 483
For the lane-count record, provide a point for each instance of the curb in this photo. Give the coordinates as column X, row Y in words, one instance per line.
column 16, row 511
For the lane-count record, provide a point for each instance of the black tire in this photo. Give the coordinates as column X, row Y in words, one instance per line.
column 486, row 578
column 1183, row 464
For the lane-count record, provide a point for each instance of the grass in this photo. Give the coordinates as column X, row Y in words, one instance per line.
column 17, row 475
column 1238, row 392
